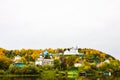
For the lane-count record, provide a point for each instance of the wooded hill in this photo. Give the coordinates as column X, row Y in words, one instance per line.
column 29, row 56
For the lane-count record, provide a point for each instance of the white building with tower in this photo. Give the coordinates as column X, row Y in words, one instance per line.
column 72, row 51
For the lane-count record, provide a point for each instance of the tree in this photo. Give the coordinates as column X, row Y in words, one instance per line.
column 56, row 64
column 115, row 65
column 104, row 66
column 63, row 63
column 28, row 69
column 4, row 62
column 71, row 60
column 35, row 54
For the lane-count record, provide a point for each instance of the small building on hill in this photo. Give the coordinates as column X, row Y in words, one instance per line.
column 17, row 61
column 77, row 64
column 20, row 64
column 106, row 61
column 17, row 58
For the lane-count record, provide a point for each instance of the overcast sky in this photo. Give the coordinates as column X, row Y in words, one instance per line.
column 61, row 23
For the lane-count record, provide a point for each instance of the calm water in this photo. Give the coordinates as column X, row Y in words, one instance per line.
column 39, row 78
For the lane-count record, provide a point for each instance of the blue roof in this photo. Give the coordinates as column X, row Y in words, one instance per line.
column 45, row 52
column 19, row 64
column 50, row 54
column 40, row 54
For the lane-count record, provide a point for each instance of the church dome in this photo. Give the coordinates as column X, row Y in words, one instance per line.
column 50, row 54
column 45, row 53
column 40, row 54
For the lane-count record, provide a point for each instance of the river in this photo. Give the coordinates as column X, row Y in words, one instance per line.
column 41, row 78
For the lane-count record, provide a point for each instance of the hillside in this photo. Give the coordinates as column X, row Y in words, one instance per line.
column 85, row 60
column 92, row 55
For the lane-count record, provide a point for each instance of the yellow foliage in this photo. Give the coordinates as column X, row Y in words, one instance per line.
column 1, row 53
column 86, row 68
column 102, row 55
column 35, row 54
column 77, row 60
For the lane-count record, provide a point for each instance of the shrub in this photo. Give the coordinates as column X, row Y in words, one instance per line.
column 2, row 71
column 72, row 68
column 40, row 68
column 29, row 69
column 12, row 68
column 56, row 64
column 48, row 67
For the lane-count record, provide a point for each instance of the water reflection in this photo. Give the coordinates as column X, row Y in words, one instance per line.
column 99, row 78
column 59, row 78
column 19, row 78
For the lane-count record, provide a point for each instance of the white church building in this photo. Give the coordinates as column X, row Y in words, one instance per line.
column 42, row 61
column 72, row 51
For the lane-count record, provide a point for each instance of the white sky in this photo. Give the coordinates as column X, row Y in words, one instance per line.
column 61, row 23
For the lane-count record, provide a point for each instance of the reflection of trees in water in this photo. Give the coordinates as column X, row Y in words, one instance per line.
column 99, row 78
column 19, row 78
column 45, row 78
column 82, row 78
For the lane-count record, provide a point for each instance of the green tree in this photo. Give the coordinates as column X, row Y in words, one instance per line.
column 63, row 64
column 71, row 60
column 56, row 64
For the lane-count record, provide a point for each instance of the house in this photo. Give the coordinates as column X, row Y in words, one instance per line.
column 43, row 60
column 20, row 64
column 17, row 58
column 78, row 64
column 106, row 61
column 17, row 61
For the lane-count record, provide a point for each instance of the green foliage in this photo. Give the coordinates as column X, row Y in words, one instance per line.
column 72, row 68
column 81, row 69
column 2, row 72
column 89, row 60
column 63, row 64
column 48, row 75
column 93, row 66
column 47, row 67
column 70, row 60
column 11, row 68
column 29, row 69
column 56, row 64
